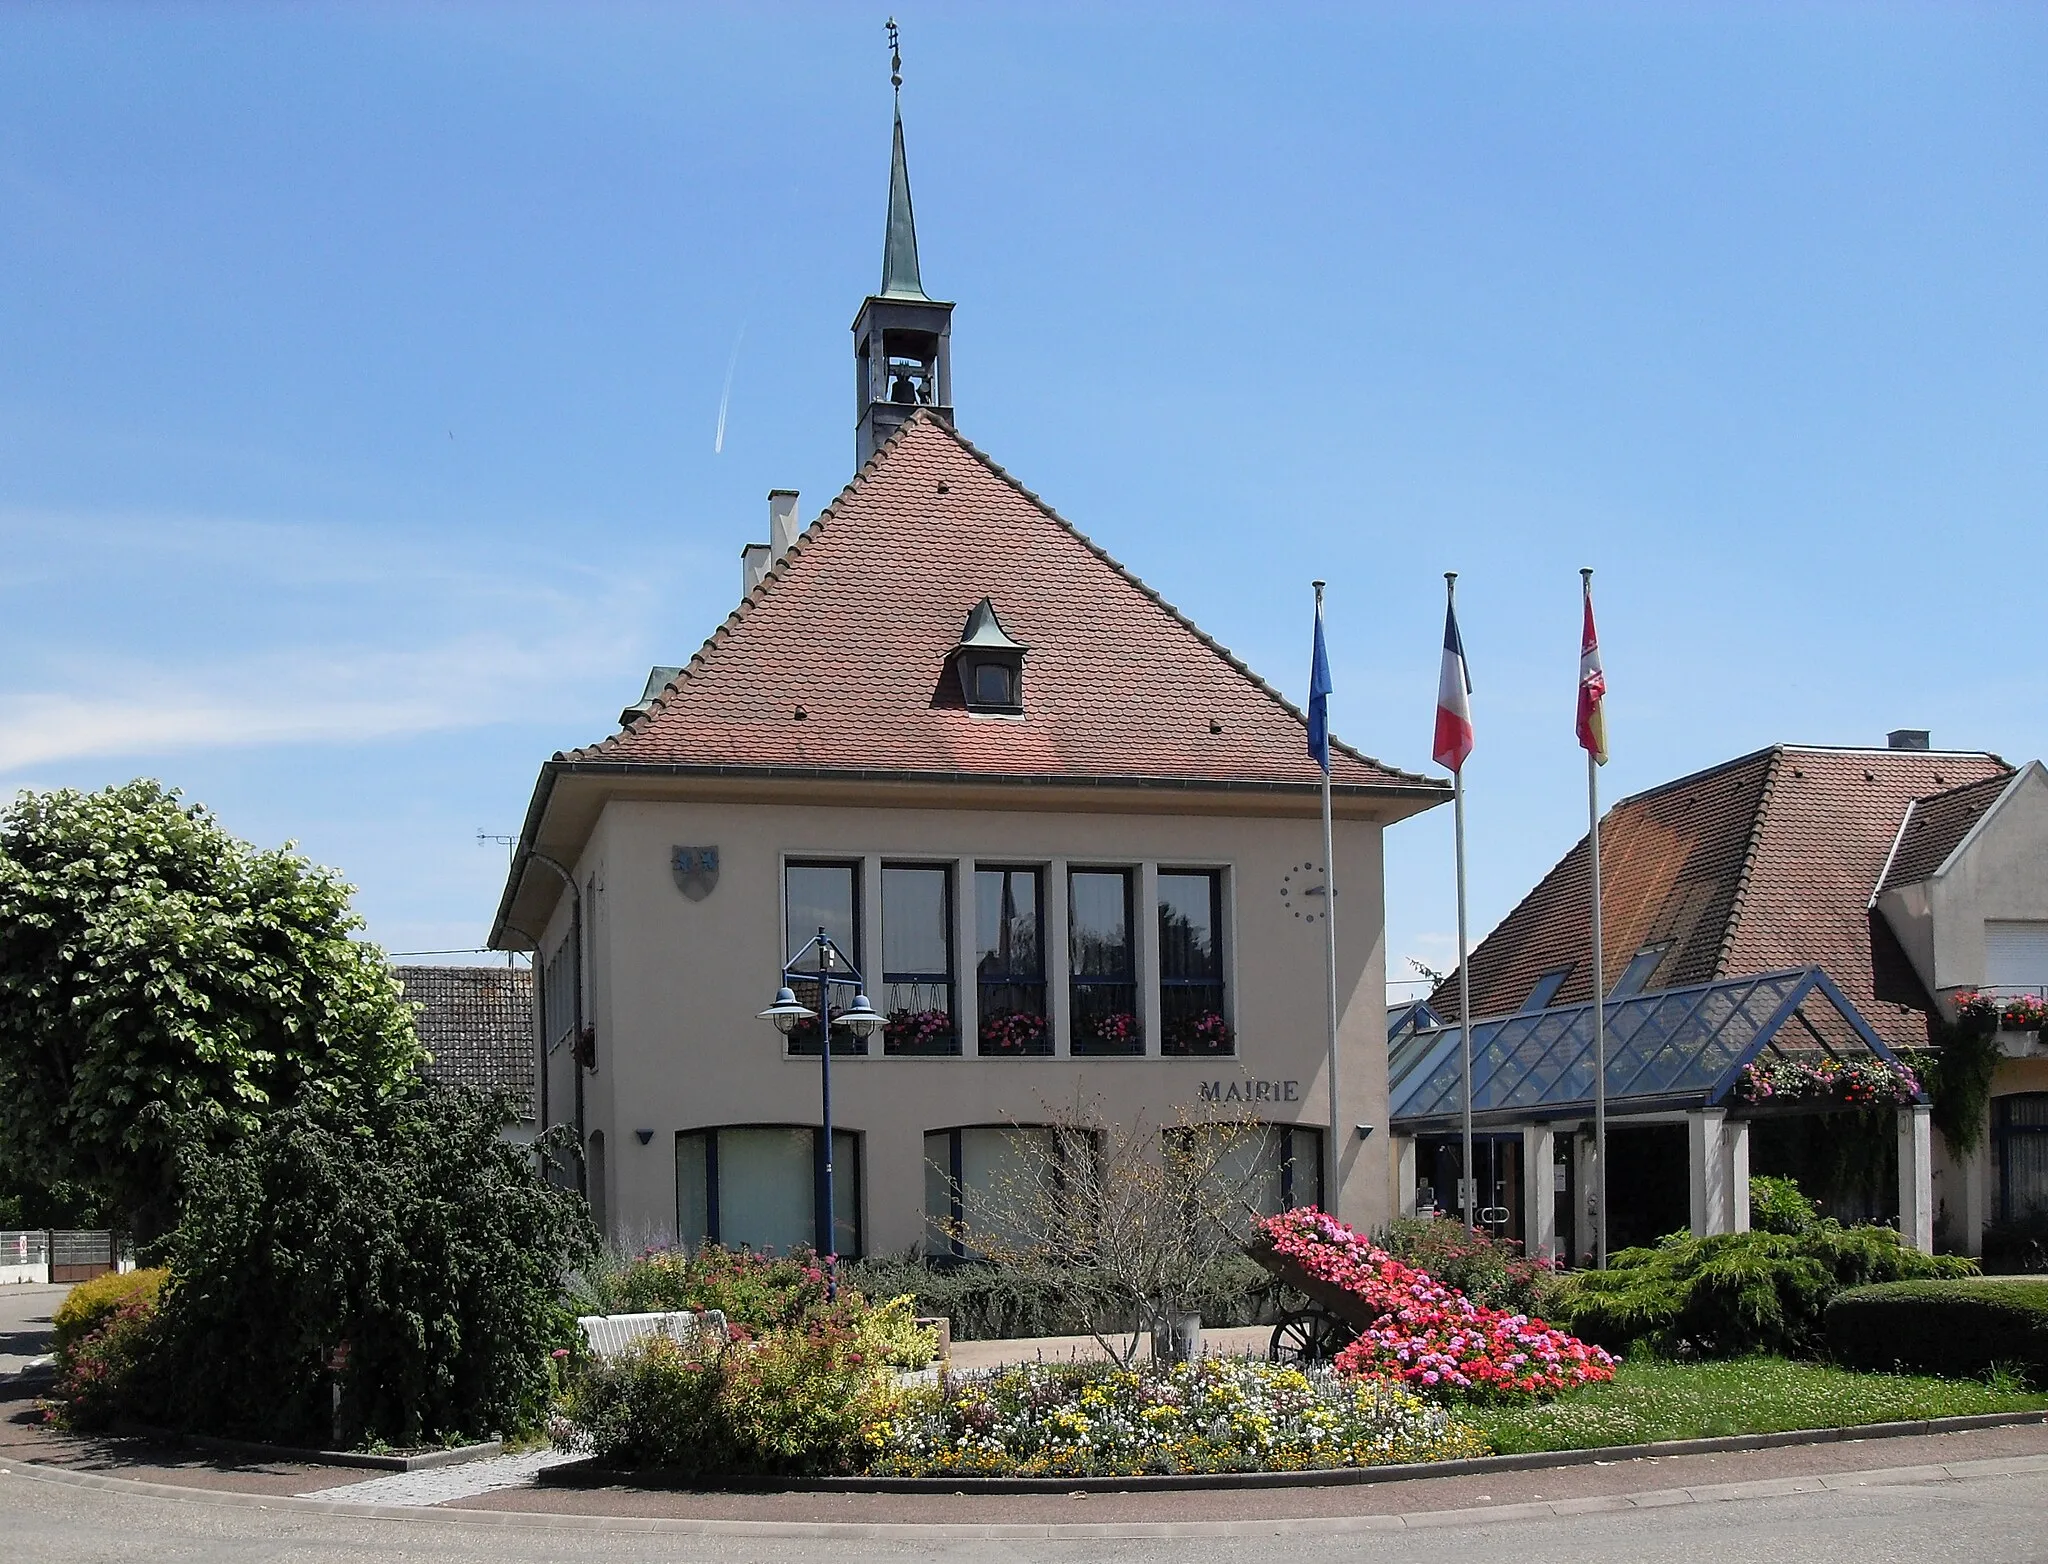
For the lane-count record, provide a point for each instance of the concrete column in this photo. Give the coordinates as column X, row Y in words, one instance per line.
column 1404, row 1159
column 966, row 983
column 1058, row 958
column 1146, row 938
column 1539, row 1190
column 1971, row 1177
column 1735, row 1155
column 1707, row 1165
column 1916, row 1179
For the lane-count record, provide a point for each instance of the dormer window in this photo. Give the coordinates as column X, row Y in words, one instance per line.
column 990, row 663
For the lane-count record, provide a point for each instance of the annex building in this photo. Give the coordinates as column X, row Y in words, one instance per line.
column 1071, row 842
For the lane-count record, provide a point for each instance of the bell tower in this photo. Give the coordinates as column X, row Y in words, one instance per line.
column 902, row 337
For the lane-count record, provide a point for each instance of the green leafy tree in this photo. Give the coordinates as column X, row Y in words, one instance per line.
column 164, row 986
column 409, row 1255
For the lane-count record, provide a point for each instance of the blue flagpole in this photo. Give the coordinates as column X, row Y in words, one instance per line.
column 1319, row 747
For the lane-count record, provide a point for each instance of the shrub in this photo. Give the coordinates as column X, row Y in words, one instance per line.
column 759, row 1291
column 416, row 1239
column 798, row 1400
column 1490, row 1271
column 1776, row 1205
column 1959, row 1328
column 104, row 1373
column 1424, row 1334
column 1736, row 1293
column 1210, row 1415
column 92, row 1303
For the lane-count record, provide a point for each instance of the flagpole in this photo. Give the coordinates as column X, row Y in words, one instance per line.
column 1468, row 1191
column 1335, row 1154
column 1599, row 999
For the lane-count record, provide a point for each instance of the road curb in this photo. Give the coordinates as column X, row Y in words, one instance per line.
column 587, row 1474
column 928, row 1532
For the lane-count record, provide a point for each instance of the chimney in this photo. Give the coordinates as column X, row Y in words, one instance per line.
column 754, row 563
column 1909, row 738
column 782, row 522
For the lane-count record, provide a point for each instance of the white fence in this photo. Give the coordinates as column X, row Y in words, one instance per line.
column 24, row 1257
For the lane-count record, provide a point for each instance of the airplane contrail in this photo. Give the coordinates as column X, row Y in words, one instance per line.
column 725, row 396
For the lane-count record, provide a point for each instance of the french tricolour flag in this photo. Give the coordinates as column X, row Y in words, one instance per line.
column 1453, row 699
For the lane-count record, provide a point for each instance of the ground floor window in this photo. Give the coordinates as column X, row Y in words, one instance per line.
column 761, row 1187
column 2020, row 1142
column 1271, row 1167
column 980, row 1182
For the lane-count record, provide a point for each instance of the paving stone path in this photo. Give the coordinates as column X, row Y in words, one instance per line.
column 440, row 1484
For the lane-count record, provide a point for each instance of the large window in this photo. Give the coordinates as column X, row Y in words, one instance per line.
column 1009, row 962
column 1270, row 1167
column 1191, row 1017
column 917, row 960
column 1102, row 963
column 980, row 1186
column 760, row 1186
column 827, row 896
column 2020, row 1136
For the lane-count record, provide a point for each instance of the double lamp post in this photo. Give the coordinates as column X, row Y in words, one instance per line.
column 832, row 969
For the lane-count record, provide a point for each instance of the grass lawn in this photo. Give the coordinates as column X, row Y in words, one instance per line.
column 1648, row 1401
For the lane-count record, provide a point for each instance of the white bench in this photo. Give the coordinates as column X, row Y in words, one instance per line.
column 610, row 1334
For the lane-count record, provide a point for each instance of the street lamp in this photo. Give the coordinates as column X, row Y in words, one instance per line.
column 860, row 1018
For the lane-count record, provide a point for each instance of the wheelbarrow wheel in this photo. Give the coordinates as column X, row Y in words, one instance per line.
column 1308, row 1336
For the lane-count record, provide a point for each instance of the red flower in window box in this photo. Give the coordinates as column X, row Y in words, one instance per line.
column 1014, row 1032
column 1203, row 1033
column 1115, row 1029
column 918, row 1031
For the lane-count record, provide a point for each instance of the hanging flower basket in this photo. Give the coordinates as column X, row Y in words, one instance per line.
column 1014, row 1032
column 2024, row 1014
column 1854, row 1083
column 918, row 1032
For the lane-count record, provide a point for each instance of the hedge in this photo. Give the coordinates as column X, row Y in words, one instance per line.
column 1961, row 1328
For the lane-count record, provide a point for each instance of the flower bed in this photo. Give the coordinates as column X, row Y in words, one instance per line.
column 1424, row 1334
column 1859, row 1083
column 1211, row 1415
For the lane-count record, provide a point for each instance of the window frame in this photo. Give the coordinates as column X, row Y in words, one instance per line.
column 1013, row 977
column 1079, row 983
column 1219, row 955
column 844, row 1043
column 949, row 980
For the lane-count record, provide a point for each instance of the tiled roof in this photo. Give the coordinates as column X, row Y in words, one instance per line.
column 838, row 660
column 1934, row 826
column 1762, row 863
column 477, row 1024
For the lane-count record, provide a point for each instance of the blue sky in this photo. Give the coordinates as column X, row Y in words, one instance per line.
column 360, row 369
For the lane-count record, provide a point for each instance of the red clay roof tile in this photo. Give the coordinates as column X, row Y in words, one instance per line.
column 853, row 628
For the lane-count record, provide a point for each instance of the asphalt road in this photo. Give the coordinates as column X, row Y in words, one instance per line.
column 1986, row 1517
column 25, row 1310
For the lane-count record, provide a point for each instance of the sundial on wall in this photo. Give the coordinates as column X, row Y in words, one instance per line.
column 1302, row 891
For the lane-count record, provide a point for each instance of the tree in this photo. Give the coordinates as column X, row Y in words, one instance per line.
column 410, row 1244
column 164, row 986
column 1123, row 1219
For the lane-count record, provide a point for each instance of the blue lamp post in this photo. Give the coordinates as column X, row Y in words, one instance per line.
column 831, row 970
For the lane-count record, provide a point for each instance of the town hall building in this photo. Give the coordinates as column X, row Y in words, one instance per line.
column 1071, row 843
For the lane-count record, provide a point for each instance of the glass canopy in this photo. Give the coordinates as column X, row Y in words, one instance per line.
column 1674, row 1048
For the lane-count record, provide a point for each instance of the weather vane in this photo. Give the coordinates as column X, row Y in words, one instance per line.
column 895, row 59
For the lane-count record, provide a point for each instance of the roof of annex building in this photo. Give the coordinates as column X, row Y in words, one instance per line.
column 1680, row 1048
column 476, row 1024
column 1934, row 826
column 1762, row 863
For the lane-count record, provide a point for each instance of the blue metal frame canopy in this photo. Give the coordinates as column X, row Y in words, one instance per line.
column 1675, row 1048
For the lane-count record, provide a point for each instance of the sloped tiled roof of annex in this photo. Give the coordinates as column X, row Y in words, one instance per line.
column 1933, row 826
column 477, row 1024
column 1761, row 863
column 854, row 625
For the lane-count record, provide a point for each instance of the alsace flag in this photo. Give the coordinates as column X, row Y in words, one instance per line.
column 1453, row 699
column 1592, row 686
column 1319, row 697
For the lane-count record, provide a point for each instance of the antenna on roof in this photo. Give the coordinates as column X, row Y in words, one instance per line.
column 895, row 58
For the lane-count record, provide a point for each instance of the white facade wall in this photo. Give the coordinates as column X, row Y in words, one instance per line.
column 674, row 987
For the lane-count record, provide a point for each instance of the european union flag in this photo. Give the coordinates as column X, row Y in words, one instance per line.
column 1319, row 697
